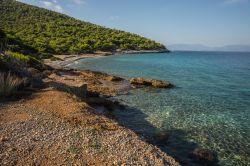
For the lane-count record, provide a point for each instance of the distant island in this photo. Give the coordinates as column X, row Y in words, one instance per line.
column 200, row 47
column 41, row 33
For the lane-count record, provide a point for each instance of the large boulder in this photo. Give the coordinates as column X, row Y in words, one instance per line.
column 150, row 82
column 203, row 156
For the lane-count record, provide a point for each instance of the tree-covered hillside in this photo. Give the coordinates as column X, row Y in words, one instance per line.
column 37, row 31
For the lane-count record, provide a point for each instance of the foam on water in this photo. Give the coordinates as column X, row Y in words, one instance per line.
column 210, row 107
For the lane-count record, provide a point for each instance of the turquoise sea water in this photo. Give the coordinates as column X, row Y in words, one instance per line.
column 209, row 108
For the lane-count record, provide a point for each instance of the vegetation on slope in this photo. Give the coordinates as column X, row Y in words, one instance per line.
column 37, row 31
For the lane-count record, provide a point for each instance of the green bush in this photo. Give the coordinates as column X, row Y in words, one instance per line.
column 19, row 56
column 9, row 84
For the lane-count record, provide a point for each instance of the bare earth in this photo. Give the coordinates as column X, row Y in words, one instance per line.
column 52, row 127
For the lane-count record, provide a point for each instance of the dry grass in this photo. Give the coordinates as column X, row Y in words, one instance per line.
column 8, row 84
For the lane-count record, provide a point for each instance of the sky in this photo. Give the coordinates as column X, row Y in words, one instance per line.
column 212, row 23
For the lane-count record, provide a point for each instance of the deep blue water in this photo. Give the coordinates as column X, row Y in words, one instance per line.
column 210, row 106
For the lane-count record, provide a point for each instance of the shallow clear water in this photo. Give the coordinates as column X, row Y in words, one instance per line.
column 210, row 107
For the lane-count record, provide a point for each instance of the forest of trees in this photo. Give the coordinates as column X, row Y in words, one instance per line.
column 37, row 31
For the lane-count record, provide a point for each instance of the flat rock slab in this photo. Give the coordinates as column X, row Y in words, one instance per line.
column 139, row 81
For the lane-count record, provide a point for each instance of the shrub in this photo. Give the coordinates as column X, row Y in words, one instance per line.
column 23, row 58
column 9, row 84
column 19, row 56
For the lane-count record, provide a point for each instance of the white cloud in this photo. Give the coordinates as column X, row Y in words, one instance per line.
column 52, row 5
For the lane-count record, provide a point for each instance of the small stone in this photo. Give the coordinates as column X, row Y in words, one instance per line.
column 3, row 139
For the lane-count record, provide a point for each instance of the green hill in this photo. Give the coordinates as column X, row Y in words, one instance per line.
column 41, row 32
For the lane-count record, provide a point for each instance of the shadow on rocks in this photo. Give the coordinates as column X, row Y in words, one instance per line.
column 172, row 141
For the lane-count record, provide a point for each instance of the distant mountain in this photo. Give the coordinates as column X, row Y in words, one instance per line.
column 40, row 32
column 188, row 47
column 200, row 47
column 239, row 48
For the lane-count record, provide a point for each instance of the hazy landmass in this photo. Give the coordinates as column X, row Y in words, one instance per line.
column 200, row 47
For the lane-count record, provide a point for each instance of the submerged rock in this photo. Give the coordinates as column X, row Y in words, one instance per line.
column 150, row 82
column 161, row 137
column 203, row 156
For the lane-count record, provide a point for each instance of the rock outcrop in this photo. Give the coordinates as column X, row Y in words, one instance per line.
column 113, row 78
column 150, row 82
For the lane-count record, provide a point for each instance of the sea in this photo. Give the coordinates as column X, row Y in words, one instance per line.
column 209, row 107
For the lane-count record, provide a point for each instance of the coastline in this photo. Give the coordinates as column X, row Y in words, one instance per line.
column 65, row 60
column 81, row 133
column 142, row 51
column 161, row 138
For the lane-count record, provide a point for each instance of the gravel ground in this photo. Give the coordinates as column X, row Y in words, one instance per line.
column 50, row 127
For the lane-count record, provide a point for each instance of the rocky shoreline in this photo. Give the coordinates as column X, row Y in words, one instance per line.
column 199, row 156
column 57, row 124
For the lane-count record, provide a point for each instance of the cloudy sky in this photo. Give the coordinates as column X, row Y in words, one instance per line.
column 208, row 22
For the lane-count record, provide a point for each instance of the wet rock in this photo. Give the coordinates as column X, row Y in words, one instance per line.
column 203, row 156
column 161, row 84
column 148, row 82
column 140, row 81
column 161, row 137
